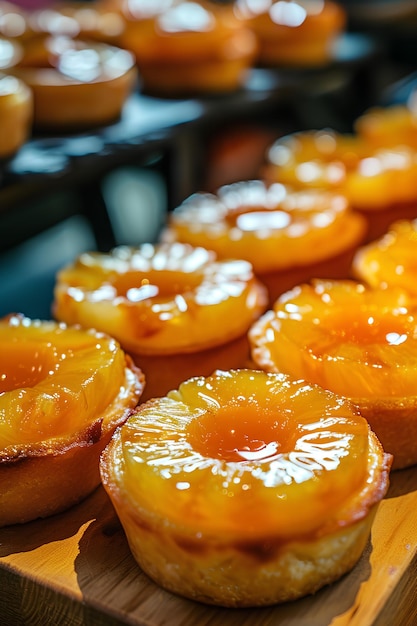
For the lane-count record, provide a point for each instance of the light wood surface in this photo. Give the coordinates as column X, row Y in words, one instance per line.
column 76, row 569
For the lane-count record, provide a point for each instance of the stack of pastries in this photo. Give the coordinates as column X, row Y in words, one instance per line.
column 251, row 365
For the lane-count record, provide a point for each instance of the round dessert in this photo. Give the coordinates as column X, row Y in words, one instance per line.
column 76, row 84
column 358, row 342
column 296, row 33
column 63, row 391
column 11, row 53
column 296, row 463
column 13, row 22
column 83, row 20
column 175, row 308
column 378, row 182
column 16, row 113
column 190, row 48
column 287, row 235
column 390, row 126
column 16, row 100
column 391, row 260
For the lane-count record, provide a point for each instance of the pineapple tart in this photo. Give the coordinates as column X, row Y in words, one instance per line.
column 356, row 341
column 63, row 391
column 176, row 309
column 294, row 33
column 288, row 235
column 390, row 260
column 377, row 181
column 245, row 488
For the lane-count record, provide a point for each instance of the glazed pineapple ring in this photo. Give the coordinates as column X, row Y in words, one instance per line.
column 160, row 299
column 282, row 232
column 394, row 125
column 358, row 342
column 245, row 488
column 390, row 260
column 63, row 391
column 272, row 226
column 371, row 178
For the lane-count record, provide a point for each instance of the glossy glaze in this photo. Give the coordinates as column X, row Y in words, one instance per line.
column 161, row 299
column 55, row 381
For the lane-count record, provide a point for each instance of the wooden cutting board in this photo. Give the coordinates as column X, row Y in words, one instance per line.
column 76, row 569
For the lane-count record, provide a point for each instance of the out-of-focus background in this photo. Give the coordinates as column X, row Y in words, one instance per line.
column 63, row 193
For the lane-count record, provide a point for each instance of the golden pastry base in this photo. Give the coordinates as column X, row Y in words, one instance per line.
column 76, row 568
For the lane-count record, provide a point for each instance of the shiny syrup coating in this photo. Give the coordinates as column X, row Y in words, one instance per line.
column 240, row 445
column 353, row 340
column 163, row 298
column 372, row 178
column 53, row 380
column 273, row 226
column 390, row 260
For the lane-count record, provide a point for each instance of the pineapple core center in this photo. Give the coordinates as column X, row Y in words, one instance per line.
column 162, row 283
column 236, row 433
column 25, row 365
column 361, row 327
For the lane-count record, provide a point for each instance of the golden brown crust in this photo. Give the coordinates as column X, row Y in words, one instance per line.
column 233, row 576
column 395, row 421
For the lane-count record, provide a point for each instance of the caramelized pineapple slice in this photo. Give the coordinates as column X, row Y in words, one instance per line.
column 343, row 336
column 56, row 381
column 391, row 260
column 372, row 178
column 394, row 125
column 356, row 341
column 160, row 299
column 63, row 392
column 272, row 226
column 235, row 489
column 221, row 449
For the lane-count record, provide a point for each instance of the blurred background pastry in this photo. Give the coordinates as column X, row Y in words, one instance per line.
column 288, row 235
column 189, row 48
column 294, row 33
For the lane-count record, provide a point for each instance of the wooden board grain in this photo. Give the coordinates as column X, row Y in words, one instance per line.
column 76, row 569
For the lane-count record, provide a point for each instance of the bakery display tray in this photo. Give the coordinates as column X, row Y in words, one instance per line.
column 76, row 569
